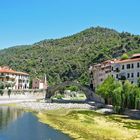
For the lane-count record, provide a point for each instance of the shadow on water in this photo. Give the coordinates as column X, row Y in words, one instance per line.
column 15, row 124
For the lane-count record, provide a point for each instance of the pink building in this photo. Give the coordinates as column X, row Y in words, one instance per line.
column 39, row 84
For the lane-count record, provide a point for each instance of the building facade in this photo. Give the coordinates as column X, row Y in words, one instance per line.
column 39, row 84
column 128, row 69
column 16, row 80
column 99, row 72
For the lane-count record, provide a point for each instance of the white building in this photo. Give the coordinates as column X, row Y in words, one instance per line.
column 18, row 80
column 128, row 69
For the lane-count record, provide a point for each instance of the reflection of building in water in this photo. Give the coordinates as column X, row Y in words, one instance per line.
column 8, row 115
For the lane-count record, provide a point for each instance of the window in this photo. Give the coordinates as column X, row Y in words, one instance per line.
column 128, row 66
column 132, row 82
column 138, row 74
column 112, row 68
column 132, row 66
column 128, row 75
column 122, row 67
column 117, row 76
column 117, row 70
column 132, row 74
column 138, row 65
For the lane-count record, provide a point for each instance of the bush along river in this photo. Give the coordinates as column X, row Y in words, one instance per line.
column 16, row 124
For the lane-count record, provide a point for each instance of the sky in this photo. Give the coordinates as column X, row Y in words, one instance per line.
column 28, row 21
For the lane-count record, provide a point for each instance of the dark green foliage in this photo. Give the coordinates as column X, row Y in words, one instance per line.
column 72, row 88
column 69, row 58
column 1, row 88
column 59, row 96
column 139, row 82
column 9, row 92
column 1, row 92
column 30, row 84
column 1, row 85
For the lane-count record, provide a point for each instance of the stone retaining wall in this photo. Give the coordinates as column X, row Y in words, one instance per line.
column 37, row 93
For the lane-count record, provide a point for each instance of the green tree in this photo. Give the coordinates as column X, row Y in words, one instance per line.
column 106, row 89
column 116, row 97
column 1, row 88
column 1, row 92
column 72, row 88
column 124, row 56
column 120, row 94
column 30, row 84
column 9, row 92
column 138, row 82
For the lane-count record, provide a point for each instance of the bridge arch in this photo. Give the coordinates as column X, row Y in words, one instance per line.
column 90, row 95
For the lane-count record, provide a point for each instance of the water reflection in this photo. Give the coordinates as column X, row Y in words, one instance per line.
column 8, row 115
column 19, row 125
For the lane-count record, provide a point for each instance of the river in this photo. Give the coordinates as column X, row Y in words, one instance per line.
column 16, row 124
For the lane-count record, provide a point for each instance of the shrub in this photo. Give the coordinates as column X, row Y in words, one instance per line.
column 9, row 92
column 1, row 92
column 124, row 56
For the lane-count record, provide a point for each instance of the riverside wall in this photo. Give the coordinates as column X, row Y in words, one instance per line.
column 28, row 93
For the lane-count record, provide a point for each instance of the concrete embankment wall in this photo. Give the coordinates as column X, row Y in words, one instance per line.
column 28, row 93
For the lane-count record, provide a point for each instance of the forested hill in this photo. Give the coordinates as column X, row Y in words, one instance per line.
column 69, row 58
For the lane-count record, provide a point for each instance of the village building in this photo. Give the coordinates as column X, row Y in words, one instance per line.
column 39, row 84
column 17, row 80
column 99, row 72
column 127, row 69
column 120, row 69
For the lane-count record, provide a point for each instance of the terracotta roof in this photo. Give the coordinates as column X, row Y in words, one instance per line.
column 127, row 60
column 2, row 70
column 136, row 55
column 37, row 79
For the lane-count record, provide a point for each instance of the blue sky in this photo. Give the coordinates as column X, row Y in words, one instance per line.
column 29, row 21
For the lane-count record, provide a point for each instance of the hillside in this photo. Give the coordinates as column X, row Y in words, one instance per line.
column 69, row 58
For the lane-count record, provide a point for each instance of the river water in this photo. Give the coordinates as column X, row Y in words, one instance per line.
column 15, row 124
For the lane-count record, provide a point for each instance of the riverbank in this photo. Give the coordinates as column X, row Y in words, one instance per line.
column 89, row 125
column 39, row 106
column 84, row 121
column 81, row 122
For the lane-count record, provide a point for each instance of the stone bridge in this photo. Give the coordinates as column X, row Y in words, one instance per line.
column 90, row 95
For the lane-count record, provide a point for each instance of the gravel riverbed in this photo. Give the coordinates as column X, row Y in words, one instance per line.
column 52, row 106
column 38, row 106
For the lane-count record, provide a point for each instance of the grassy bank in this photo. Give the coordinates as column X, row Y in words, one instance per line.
column 89, row 125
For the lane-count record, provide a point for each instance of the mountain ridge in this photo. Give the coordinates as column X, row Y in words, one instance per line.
column 68, row 58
